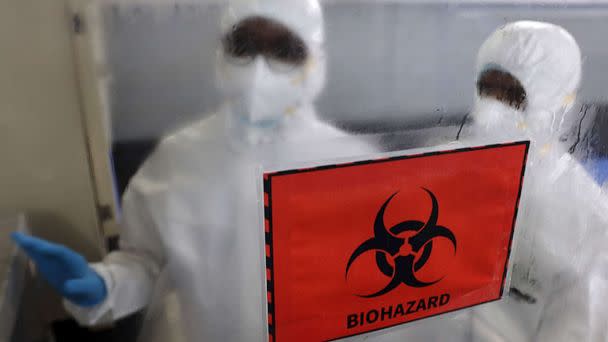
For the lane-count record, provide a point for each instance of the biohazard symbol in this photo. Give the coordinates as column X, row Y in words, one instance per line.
column 408, row 253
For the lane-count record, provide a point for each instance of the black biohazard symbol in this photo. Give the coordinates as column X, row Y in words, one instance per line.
column 408, row 254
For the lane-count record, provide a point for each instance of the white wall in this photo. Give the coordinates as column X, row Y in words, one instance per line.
column 45, row 166
column 410, row 62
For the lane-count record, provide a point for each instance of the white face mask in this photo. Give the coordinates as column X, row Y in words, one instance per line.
column 260, row 96
column 494, row 118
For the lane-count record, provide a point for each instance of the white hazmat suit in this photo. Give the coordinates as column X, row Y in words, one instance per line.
column 192, row 213
column 557, row 257
column 559, row 277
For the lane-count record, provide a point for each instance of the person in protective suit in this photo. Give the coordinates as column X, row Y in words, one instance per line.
column 528, row 77
column 191, row 213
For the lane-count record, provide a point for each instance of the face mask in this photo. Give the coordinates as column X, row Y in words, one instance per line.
column 260, row 96
column 494, row 118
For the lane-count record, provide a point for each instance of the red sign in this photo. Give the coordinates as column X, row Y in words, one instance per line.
column 358, row 247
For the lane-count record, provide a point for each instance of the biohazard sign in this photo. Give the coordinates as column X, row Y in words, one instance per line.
column 354, row 248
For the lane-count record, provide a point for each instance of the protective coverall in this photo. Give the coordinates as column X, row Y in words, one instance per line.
column 559, row 264
column 192, row 213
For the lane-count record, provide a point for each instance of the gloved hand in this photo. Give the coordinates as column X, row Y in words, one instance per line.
column 599, row 170
column 65, row 270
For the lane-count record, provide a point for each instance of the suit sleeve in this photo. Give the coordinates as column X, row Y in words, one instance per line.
column 130, row 274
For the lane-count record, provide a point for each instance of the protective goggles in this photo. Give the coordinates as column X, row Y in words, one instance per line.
column 282, row 49
column 502, row 86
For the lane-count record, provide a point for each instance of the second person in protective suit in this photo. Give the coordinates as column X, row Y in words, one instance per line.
column 528, row 76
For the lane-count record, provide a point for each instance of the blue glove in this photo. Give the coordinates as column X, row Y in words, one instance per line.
column 599, row 169
column 65, row 270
